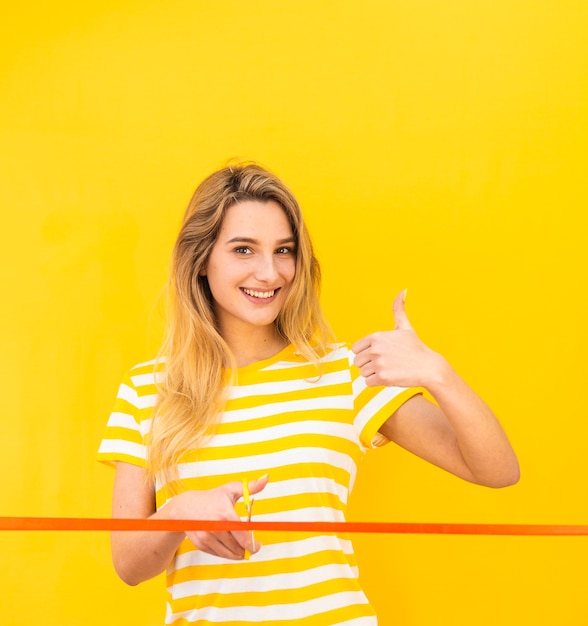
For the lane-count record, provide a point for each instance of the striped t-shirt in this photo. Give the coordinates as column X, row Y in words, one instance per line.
column 308, row 433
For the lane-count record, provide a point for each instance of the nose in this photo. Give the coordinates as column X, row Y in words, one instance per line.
column 266, row 270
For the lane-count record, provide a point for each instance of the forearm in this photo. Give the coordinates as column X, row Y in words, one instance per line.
column 140, row 555
column 479, row 437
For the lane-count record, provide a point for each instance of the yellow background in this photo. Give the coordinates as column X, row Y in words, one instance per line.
column 434, row 145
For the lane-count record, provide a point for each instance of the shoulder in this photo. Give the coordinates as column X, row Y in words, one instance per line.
column 139, row 384
column 146, row 373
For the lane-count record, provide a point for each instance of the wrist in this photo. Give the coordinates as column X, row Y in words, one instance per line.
column 439, row 376
column 172, row 509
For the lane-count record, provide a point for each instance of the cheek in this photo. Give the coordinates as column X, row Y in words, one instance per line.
column 290, row 270
column 216, row 277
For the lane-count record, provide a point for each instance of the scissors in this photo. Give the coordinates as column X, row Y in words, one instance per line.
column 249, row 506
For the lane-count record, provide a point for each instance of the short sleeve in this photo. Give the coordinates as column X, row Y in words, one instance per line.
column 374, row 405
column 130, row 420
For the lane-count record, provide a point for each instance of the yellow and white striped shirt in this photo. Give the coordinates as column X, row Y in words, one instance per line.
column 308, row 433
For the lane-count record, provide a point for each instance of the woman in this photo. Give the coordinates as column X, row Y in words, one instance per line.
column 251, row 396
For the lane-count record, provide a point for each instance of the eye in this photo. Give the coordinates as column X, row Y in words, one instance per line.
column 243, row 250
column 285, row 250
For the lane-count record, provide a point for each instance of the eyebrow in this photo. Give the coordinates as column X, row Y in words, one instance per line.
column 251, row 240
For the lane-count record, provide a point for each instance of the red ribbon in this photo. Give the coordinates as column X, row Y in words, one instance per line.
column 98, row 524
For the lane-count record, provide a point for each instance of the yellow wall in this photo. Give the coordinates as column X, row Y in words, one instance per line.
column 435, row 145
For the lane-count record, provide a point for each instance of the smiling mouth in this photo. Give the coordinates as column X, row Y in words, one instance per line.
column 263, row 295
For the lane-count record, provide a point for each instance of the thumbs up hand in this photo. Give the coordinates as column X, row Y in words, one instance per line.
column 396, row 357
column 459, row 432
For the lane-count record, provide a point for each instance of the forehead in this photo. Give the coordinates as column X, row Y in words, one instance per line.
column 252, row 218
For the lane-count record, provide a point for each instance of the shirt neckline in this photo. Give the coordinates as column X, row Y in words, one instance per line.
column 258, row 365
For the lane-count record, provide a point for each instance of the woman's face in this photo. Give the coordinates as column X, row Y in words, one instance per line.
column 251, row 267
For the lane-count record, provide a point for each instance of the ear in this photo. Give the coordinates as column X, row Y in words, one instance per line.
column 202, row 272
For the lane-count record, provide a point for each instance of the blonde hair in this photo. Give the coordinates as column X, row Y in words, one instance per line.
column 198, row 361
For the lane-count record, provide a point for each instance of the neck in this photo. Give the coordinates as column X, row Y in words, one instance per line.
column 254, row 345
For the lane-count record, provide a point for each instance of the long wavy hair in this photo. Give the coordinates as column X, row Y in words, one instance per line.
column 199, row 365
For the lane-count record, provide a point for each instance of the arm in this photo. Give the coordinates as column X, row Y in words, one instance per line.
column 461, row 434
column 140, row 555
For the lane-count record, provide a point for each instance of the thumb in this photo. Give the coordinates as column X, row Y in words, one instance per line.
column 255, row 486
column 236, row 490
column 400, row 317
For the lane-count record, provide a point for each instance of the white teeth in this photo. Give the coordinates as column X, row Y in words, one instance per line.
column 259, row 294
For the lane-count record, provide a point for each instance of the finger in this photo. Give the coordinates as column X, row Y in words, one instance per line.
column 235, row 541
column 243, row 540
column 400, row 317
column 234, row 489
column 227, row 543
column 362, row 359
column 255, row 486
column 223, row 544
column 360, row 345
column 250, row 545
